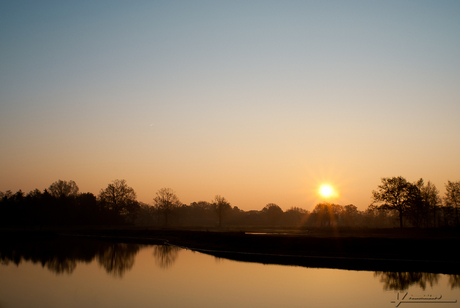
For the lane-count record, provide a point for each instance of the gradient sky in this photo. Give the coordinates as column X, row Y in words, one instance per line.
column 257, row 101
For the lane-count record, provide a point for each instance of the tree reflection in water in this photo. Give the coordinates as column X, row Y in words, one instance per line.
column 62, row 255
column 403, row 280
column 454, row 281
column 60, row 266
column 116, row 258
column 165, row 255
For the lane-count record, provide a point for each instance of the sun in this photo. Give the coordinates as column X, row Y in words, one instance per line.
column 326, row 191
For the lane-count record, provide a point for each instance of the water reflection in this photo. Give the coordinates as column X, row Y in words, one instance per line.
column 117, row 258
column 62, row 256
column 399, row 281
column 165, row 256
column 60, row 265
column 454, row 281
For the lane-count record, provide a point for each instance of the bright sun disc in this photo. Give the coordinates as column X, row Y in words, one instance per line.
column 325, row 191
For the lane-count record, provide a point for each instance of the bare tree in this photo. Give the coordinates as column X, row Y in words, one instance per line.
column 165, row 202
column 221, row 206
column 418, row 210
column 327, row 214
column 60, row 189
column 452, row 197
column 432, row 201
column 394, row 194
column 350, row 215
column 119, row 198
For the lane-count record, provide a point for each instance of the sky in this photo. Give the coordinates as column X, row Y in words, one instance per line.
column 257, row 101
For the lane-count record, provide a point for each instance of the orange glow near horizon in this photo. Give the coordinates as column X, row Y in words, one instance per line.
column 166, row 110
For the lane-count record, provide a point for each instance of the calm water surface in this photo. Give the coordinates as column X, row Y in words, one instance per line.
column 103, row 274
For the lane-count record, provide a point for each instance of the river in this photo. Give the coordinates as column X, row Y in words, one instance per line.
column 90, row 273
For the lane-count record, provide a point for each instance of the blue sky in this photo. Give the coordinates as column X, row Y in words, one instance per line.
column 258, row 101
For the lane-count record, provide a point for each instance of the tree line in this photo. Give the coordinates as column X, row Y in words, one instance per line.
column 395, row 202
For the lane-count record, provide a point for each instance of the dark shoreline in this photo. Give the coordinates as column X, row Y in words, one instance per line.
column 375, row 250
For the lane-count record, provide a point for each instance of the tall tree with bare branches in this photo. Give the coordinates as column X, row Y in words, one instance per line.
column 60, row 189
column 120, row 199
column 394, row 194
column 452, row 198
column 221, row 207
column 165, row 202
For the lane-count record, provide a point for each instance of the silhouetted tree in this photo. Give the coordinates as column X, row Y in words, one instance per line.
column 295, row 216
column 60, row 189
column 64, row 205
column 350, row 215
column 18, row 202
column 198, row 213
column 120, row 199
column 50, row 206
column 273, row 213
column 235, row 216
column 424, row 204
column 452, row 198
column 394, row 194
column 326, row 214
column 221, row 208
column 34, row 207
column 165, row 202
column 89, row 211
column 375, row 217
column 417, row 209
column 432, row 200
column 146, row 215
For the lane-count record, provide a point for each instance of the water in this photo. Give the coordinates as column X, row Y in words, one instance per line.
column 85, row 273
